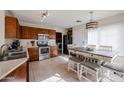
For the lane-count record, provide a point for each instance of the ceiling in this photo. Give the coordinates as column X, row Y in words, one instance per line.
column 62, row 18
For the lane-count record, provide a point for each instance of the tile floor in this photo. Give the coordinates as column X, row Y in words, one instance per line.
column 55, row 70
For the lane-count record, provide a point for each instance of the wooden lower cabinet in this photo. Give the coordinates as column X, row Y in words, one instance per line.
column 53, row 51
column 21, row 74
column 33, row 54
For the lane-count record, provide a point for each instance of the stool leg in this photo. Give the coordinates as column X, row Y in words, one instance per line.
column 102, row 73
column 97, row 76
column 78, row 70
column 86, row 73
column 80, row 74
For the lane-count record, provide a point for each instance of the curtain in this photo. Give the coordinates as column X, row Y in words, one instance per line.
column 110, row 35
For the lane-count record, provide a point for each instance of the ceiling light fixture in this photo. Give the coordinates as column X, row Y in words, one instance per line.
column 44, row 15
column 92, row 24
column 78, row 21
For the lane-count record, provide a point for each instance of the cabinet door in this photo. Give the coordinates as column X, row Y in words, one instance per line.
column 18, row 32
column 33, row 54
column 11, row 27
column 42, row 31
column 29, row 32
column 53, row 51
column 52, row 34
column 18, row 75
column 25, row 32
column 32, row 33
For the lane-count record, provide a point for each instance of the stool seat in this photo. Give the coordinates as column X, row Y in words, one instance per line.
column 75, row 59
column 73, row 64
column 91, row 65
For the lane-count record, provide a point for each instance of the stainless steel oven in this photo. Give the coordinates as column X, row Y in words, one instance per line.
column 44, row 52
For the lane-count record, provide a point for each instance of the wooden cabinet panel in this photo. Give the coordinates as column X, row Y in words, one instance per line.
column 32, row 32
column 21, row 74
column 14, row 30
column 24, row 32
column 33, row 54
column 53, row 51
column 11, row 27
column 28, row 32
column 52, row 34
column 42, row 31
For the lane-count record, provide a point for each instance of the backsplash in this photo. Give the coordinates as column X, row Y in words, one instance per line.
column 27, row 42
column 52, row 42
column 23, row 42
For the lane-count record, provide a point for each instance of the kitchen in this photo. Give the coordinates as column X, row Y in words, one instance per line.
column 40, row 42
column 43, row 45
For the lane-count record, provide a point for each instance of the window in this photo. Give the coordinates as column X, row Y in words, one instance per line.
column 112, row 35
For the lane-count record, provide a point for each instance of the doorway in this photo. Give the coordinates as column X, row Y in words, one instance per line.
column 59, row 42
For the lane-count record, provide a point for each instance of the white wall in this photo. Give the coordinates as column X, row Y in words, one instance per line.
column 2, row 30
column 80, row 33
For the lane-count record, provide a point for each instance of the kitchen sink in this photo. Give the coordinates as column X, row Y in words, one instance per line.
column 14, row 55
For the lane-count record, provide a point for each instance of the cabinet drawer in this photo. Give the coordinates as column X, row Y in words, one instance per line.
column 53, row 51
column 33, row 54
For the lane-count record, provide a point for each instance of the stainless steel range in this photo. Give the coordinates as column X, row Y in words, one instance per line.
column 44, row 49
column 44, row 52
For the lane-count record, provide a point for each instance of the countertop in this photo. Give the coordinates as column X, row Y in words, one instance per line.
column 6, row 67
column 109, row 54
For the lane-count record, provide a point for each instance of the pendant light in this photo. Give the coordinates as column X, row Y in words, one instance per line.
column 92, row 24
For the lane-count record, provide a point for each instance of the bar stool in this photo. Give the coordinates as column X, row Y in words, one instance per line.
column 74, row 64
column 90, row 67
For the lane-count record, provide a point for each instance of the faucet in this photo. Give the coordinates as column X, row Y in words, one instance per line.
column 3, row 50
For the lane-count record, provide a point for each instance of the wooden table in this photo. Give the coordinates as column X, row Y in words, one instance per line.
column 104, row 56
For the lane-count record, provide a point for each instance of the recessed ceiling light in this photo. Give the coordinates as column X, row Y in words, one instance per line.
column 78, row 21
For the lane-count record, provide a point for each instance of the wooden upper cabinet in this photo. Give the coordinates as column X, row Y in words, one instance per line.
column 42, row 31
column 52, row 34
column 28, row 32
column 11, row 27
column 32, row 32
column 24, row 32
